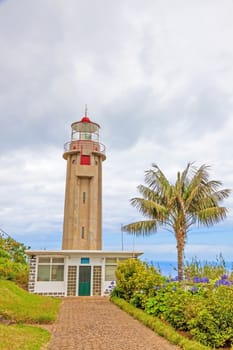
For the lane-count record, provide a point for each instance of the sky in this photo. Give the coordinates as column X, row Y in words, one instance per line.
column 156, row 75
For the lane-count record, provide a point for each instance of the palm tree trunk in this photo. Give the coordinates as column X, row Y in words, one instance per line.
column 180, row 256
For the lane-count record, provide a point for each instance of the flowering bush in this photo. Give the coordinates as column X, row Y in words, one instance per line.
column 135, row 278
column 223, row 281
column 201, row 305
column 212, row 321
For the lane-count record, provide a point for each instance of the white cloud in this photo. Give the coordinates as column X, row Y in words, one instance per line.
column 156, row 76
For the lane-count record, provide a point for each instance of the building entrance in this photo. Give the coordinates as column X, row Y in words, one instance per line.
column 84, row 288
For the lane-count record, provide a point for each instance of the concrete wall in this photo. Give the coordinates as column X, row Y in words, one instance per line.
column 83, row 218
column 59, row 288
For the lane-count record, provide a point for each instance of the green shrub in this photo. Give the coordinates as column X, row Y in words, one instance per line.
column 156, row 305
column 135, row 276
column 138, row 300
column 203, row 309
column 170, row 304
column 12, row 271
column 13, row 250
column 13, row 261
column 165, row 330
column 212, row 321
column 176, row 304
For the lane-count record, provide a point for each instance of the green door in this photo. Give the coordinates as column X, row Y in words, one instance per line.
column 84, row 288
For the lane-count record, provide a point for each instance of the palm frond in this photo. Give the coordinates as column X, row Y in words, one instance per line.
column 212, row 215
column 214, row 184
column 157, row 181
column 185, row 173
column 148, row 193
column 144, row 228
column 150, row 208
column 222, row 194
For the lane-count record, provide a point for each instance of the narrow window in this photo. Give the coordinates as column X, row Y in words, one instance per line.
column 84, row 197
column 83, row 232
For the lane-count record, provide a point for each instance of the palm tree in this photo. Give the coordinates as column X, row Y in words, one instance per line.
column 193, row 199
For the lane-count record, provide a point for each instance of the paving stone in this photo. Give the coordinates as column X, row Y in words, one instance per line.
column 94, row 323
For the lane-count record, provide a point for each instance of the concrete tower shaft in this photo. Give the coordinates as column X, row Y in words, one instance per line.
column 83, row 197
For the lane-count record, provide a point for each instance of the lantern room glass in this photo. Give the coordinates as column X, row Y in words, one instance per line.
column 85, row 131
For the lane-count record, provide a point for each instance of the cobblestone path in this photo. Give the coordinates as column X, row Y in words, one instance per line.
column 97, row 324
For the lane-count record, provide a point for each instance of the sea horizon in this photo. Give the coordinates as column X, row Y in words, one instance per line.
column 168, row 268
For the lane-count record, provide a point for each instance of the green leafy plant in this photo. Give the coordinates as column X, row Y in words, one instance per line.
column 136, row 277
column 212, row 319
column 199, row 306
column 212, row 270
column 13, row 261
column 138, row 300
column 161, row 328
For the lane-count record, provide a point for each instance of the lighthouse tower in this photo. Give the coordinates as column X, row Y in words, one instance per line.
column 81, row 267
column 84, row 154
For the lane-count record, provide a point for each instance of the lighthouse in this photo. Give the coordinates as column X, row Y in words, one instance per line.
column 81, row 267
column 84, row 154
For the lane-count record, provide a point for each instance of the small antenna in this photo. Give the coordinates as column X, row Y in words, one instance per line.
column 86, row 110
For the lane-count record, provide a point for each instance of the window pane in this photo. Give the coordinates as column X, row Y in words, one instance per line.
column 44, row 260
column 57, row 273
column 85, row 260
column 43, row 273
column 58, row 260
column 110, row 272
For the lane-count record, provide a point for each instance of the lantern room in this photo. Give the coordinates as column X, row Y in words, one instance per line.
column 85, row 138
column 85, row 130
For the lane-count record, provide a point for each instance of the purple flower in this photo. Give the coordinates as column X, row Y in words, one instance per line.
column 194, row 289
column 205, row 280
column 196, row 279
column 222, row 282
column 224, row 277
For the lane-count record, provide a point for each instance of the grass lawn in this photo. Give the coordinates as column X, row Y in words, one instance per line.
column 23, row 308
column 20, row 306
column 21, row 337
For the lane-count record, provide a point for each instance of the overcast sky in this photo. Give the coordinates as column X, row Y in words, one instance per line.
column 157, row 75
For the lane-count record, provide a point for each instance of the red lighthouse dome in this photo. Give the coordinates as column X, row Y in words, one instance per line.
column 85, row 119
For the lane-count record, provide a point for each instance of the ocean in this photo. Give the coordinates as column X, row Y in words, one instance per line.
column 169, row 268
